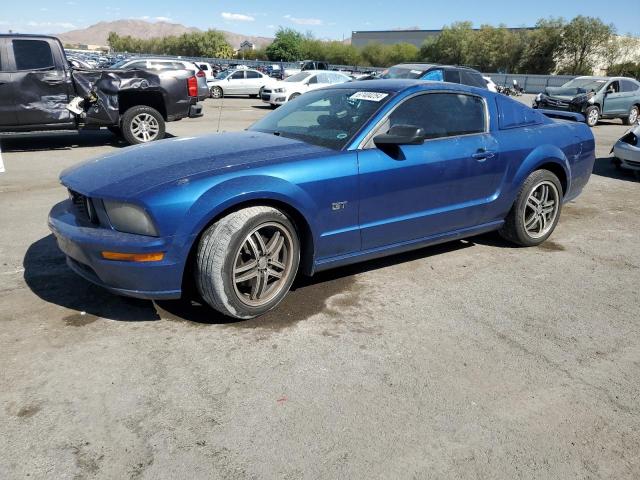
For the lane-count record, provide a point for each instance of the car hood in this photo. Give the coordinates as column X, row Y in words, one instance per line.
column 564, row 93
column 133, row 170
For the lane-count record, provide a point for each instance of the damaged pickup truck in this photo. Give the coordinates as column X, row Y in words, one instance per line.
column 41, row 91
column 595, row 98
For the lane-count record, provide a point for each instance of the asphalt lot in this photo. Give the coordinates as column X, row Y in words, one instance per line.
column 467, row 360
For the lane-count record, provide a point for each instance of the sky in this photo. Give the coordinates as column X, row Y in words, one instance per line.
column 326, row 19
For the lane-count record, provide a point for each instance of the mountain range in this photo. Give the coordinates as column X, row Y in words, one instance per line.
column 97, row 34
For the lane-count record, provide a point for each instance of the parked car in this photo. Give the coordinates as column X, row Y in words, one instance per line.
column 626, row 151
column 436, row 73
column 344, row 174
column 595, row 98
column 240, row 82
column 300, row 83
column 40, row 91
column 209, row 71
column 491, row 85
column 168, row 64
column 306, row 65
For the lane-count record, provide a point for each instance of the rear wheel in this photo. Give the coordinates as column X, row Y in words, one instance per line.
column 535, row 213
column 142, row 124
column 632, row 117
column 247, row 261
column 592, row 115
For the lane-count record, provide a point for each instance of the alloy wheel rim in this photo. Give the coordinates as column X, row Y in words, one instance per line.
column 593, row 117
column 145, row 127
column 216, row 92
column 633, row 116
column 263, row 264
column 541, row 209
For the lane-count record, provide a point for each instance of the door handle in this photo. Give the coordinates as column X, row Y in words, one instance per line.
column 483, row 154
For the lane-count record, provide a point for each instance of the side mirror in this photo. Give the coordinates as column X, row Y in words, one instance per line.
column 400, row 135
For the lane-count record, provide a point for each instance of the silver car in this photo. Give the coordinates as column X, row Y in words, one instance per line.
column 626, row 151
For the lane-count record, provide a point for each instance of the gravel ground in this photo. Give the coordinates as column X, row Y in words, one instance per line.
column 466, row 360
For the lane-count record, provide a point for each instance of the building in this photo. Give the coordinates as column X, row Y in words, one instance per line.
column 247, row 46
column 391, row 37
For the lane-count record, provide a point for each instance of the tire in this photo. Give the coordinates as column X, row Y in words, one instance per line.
column 228, row 248
column 592, row 115
column 294, row 95
column 632, row 117
column 142, row 124
column 524, row 225
column 216, row 92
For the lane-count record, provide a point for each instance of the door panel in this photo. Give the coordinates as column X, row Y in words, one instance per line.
column 437, row 187
column 42, row 88
column 614, row 103
column 7, row 91
column 447, row 183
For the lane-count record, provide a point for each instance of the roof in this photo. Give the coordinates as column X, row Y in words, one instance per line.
column 28, row 35
column 399, row 85
column 426, row 66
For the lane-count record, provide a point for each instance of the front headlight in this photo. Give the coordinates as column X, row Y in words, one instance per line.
column 129, row 218
column 538, row 97
column 278, row 90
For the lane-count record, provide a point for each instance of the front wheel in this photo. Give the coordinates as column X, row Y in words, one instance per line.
column 142, row 124
column 535, row 213
column 216, row 92
column 632, row 117
column 592, row 115
column 247, row 261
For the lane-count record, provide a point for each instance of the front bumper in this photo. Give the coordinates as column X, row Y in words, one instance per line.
column 560, row 105
column 274, row 98
column 83, row 243
column 628, row 155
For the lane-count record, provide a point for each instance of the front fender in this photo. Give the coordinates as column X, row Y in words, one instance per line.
column 235, row 191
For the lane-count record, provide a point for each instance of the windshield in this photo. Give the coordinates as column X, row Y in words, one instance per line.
column 298, row 77
column 224, row 74
column 327, row 118
column 586, row 84
column 402, row 72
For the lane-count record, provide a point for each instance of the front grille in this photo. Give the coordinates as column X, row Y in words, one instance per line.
column 83, row 207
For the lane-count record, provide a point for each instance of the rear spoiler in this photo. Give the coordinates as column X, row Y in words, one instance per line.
column 576, row 117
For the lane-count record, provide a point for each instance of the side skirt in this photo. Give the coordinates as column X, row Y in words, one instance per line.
column 333, row 262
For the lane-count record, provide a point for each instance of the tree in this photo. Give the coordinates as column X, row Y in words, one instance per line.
column 583, row 41
column 451, row 46
column 496, row 49
column 542, row 47
column 287, row 46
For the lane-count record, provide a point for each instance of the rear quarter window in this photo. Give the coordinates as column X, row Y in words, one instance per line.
column 513, row 114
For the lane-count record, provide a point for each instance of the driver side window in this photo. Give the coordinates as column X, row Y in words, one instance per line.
column 237, row 76
column 613, row 87
column 442, row 114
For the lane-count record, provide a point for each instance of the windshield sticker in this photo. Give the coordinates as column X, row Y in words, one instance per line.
column 370, row 96
column 341, row 136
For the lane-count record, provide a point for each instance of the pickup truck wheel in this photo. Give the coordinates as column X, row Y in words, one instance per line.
column 535, row 213
column 216, row 92
column 632, row 117
column 592, row 114
column 247, row 261
column 142, row 124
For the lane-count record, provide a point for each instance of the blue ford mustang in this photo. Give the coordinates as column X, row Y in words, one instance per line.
column 340, row 175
